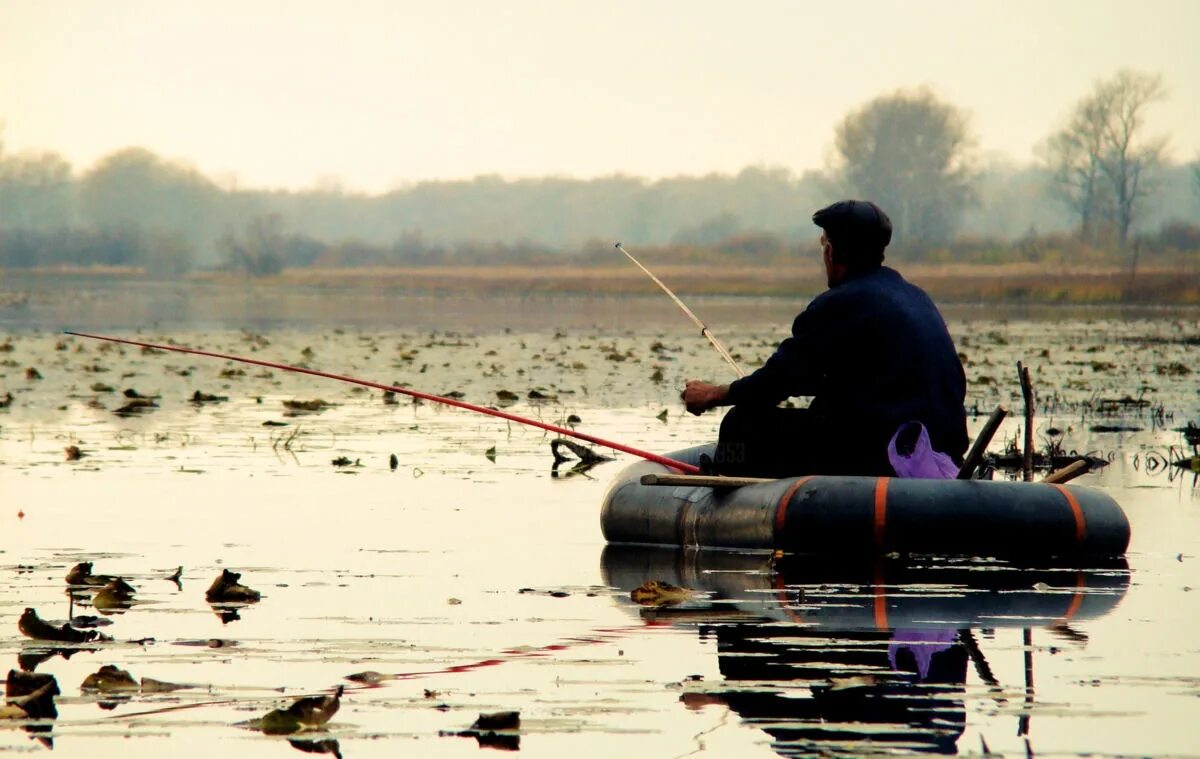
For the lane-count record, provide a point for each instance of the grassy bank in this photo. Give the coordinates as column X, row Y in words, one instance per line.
column 1009, row 283
column 952, row 283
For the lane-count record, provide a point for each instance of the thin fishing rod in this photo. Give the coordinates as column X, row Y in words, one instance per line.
column 703, row 329
column 681, row 466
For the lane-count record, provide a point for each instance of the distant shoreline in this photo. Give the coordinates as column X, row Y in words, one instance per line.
column 949, row 283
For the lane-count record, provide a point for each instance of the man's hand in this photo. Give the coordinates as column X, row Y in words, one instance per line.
column 701, row 396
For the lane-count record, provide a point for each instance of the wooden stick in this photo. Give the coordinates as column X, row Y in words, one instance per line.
column 1068, row 472
column 975, row 455
column 1027, row 394
column 701, row 480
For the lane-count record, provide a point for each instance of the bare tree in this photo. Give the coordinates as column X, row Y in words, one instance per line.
column 260, row 250
column 1101, row 160
column 1073, row 157
column 908, row 153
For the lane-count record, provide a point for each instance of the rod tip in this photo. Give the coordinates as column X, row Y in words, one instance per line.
column 618, row 244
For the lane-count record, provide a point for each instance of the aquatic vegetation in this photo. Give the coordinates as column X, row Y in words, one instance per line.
column 81, row 574
column 29, row 695
column 494, row 730
column 660, row 593
column 136, row 405
column 115, row 596
column 200, row 398
column 33, row 626
column 110, row 679
column 226, row 588
column 306, row 713
column 314, row 406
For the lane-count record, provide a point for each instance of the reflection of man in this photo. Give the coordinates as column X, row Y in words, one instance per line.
column 872, row 350
column 898, row 691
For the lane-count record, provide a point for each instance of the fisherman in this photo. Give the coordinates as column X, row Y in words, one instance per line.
column 873, row 352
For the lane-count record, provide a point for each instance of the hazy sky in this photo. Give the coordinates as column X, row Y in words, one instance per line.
column 386, row 92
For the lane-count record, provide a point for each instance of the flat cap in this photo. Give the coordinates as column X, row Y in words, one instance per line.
column 859, row 220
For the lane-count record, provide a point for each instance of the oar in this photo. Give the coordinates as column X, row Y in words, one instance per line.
column 703, row 329
column 681, row 466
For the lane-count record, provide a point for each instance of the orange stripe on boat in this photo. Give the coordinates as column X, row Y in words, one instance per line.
column 881, row 486
column 1077, row 599
column 880, row 593
column 681, row 524
column 781, row 508
column 1076, row 511
column 781, row 596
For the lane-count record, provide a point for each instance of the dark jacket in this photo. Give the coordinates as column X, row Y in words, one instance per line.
column 874, row 353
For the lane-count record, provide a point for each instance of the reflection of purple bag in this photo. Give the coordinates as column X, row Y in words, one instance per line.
column 911, row 455
column 923, row 644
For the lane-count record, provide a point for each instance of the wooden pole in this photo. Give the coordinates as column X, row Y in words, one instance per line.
column 701, row 481
column 1069, row 472
column 979, row 447
column 1027, row 394
column 1023, row 722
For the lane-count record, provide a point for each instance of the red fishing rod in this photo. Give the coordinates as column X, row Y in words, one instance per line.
column 681, row 466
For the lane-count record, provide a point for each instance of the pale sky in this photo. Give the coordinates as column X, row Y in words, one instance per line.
column 384, row 93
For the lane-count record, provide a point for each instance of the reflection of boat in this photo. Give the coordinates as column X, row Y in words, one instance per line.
column 823, row 514
column 879, row 594
column 856, row 658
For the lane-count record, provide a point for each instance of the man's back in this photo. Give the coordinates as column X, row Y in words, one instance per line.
column 893, row 362
column 874, row 353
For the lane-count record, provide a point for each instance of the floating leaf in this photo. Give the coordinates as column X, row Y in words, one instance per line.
column 658, row 593
column 199, row 397
column 109, row 679
column 313, row 406
column 369, row 677
column 304, row 713
column 35, row 627
column 498, row 721
column 150, row 685
column 227, row 589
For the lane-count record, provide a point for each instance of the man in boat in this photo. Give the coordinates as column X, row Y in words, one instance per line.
column 873, row 352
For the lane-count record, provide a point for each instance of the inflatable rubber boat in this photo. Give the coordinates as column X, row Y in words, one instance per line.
column 844, row 515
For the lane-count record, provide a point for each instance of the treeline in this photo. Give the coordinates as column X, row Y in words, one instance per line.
column 1103, row 189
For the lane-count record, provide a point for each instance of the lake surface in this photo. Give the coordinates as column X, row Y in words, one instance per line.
column 470, row 579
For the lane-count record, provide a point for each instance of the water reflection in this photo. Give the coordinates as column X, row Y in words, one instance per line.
column 849, row 659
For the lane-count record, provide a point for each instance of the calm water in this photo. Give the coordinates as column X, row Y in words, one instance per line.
column 480, row 585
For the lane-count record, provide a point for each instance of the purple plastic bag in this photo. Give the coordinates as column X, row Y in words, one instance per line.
column 919, row 460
